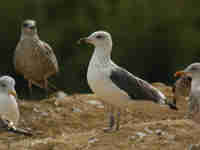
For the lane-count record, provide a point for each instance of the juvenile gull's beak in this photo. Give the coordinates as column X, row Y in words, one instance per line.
column 85, row 39
column 13, row 93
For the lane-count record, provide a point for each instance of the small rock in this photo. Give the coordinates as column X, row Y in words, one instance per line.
column 194, row 147
column 148, row 130
column 100, row 106
column 95, row 102
column 141, row 134
column 171, row 137
column 159, row 132
column 44, row 114
column 76, row 110
column 36, row 110
column 92, row 140
column 59, row 95
column 58, row 109
column 132, row 138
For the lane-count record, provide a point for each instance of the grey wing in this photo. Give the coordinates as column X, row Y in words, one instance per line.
column 49, row 54
column 136, row 88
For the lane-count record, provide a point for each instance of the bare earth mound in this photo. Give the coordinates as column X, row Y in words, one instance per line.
column 76, row 122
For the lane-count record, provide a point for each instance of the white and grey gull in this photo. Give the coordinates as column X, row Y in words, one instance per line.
column 112, row 83
column 9, row 111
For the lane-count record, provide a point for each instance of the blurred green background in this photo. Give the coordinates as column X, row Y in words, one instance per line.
column 152, row 38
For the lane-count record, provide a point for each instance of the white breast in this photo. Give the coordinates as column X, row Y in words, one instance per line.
column 98, row 77
column 9, row 108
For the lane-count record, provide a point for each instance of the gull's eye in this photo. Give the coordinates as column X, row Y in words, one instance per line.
column 99, row 36
column 3, row 85
column 194, row 68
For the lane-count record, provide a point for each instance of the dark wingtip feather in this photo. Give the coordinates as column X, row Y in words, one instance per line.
column 172, row 105
column 20, row 131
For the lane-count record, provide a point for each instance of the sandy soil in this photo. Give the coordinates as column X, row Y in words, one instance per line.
column 75, row 123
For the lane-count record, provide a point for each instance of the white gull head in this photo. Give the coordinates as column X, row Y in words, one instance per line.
column 7, row 85
column 101, row 40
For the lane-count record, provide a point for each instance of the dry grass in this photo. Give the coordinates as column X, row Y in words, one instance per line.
column 72, row 123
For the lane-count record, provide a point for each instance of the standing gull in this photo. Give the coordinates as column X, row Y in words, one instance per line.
column 8, row 104
column 9, row 112
column 33, row 58
column 113, row 83
column 194, row 97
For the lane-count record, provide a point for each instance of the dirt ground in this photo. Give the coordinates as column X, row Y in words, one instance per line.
column 76, row 122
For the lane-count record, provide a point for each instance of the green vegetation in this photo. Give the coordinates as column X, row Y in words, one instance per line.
column 152, row 39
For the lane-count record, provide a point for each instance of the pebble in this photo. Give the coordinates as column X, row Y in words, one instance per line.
column 44, row 114
column 95, row 102
column 141, row 134
column 148, row 130
column 194, row 147
column 132, row 137
column 76, row 110
column 36, row 110
column 92, row 140
column 60, row 95
column 159, row 132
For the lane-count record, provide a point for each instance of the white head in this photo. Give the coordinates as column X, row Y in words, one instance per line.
column 100, row 39
column 7, row 86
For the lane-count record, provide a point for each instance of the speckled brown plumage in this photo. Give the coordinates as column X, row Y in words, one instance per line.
column 33, row 58
column 181, row 88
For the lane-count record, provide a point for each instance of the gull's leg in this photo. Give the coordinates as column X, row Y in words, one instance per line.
column 174, row 101
column 197, row 108
column 111, row 120
column 30, row 88
column 46, row 86
column 118, row 119
column 192, row 106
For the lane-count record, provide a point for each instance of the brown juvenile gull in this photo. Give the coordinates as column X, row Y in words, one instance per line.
column 33, row 58
column 194, row 97
column 112, row 83
column 181, row 88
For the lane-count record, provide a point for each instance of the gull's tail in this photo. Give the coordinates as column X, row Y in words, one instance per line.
column 171, row 104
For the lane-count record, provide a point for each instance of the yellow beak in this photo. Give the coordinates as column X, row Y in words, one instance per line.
column 13, row 93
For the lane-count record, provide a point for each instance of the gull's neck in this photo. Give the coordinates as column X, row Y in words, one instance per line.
column 101, row 56
column 29, row 37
